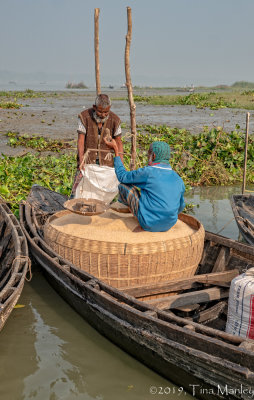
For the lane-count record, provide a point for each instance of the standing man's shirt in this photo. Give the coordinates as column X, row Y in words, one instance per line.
column 162, row 194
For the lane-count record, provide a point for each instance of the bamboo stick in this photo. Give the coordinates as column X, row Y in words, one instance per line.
column 245, row 151
column 130, row 92
column 96, row 50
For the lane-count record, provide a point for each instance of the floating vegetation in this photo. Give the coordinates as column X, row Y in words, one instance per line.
column 25, row 94
column 10, row 104
column 211, row 100
column 212, row 157
column 18, row 174
column 72, row 85
column 38, row 142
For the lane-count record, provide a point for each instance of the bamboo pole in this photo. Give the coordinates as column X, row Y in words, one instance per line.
column 96, row 50
column 130, row 93
column 246, row 151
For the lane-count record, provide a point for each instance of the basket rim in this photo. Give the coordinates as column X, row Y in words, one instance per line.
column 123, row 247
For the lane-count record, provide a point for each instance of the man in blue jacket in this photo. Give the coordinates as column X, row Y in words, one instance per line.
column 161, row 198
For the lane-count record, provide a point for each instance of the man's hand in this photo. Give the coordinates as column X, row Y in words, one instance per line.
column 112, row 145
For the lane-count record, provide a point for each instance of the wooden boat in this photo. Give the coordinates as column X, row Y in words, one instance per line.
column 180, row 336
column 243, row 209
column 13, row 261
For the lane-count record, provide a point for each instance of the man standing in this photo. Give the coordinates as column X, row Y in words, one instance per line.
column 161, row 198
column 92, row 126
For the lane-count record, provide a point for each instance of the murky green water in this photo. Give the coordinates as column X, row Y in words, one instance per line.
column 49, row 352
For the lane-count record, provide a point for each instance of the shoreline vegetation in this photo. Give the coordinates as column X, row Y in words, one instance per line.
column 212, row 157
column 238, row 95
column 212, row 100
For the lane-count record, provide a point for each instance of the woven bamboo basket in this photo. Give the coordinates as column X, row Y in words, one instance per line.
column 106, row 247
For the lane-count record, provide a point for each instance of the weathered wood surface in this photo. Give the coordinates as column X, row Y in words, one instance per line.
column 246, row 151
column 45, row 201
column 243, row 210
column 96, row 50
column 210, row 313
column 13, row 261
column 185, row 299
column 182, row 284
column 130, row 91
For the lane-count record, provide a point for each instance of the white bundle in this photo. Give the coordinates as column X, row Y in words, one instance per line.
column 240, row 321
column 98, row 182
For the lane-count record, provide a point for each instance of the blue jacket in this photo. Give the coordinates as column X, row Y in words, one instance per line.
column 161, row 198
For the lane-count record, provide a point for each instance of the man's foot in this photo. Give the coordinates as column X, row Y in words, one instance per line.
column 138, row 229
column 120, row 207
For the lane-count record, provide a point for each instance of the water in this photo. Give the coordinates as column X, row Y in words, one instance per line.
column 213, row 208
column 66, row 108
column 49, row 352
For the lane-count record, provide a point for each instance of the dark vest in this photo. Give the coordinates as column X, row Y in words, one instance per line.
column 92, row 138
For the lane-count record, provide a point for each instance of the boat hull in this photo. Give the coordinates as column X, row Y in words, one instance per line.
column 243, row 210
column 138, row 335
column 13, row 262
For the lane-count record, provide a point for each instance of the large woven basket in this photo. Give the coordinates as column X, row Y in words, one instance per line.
column 127, row 259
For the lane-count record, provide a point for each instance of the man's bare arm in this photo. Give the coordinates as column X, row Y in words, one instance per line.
column 81, row 144
column 119, row 146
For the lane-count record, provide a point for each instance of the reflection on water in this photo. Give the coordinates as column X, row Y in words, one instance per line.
column 54, row 377
column 49, row 352
column 214, row 208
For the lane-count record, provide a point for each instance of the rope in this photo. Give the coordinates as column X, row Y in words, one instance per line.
column 25, row 258
column 224, row 226
column 108, row 157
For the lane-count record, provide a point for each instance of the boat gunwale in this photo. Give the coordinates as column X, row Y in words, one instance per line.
column 248, row 236
column 19, row 264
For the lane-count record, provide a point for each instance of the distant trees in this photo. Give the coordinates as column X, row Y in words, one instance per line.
column 72, row 85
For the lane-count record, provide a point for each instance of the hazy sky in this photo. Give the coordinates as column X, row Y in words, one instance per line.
column 174, row 42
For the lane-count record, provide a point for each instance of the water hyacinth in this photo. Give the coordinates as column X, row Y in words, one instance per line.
column 212, row 157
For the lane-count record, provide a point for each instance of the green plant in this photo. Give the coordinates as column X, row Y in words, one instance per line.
column 37, row 142
column 10, row 104
column 18, row 174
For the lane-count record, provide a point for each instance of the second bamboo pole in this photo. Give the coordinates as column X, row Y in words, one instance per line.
column 130, row 93
column 96, row 50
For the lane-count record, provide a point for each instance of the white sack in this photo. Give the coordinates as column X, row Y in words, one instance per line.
column 98, row 182
column 240, row 320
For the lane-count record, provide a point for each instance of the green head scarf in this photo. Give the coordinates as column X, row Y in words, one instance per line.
column 162, row 152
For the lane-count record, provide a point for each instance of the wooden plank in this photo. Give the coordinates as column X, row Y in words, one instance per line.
column 211, row 313
column 233, row 244
column 201, row 296
column 189, row 308
column 216, row 282
column 205, row 268
column 180, row 284
column 221, row 260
